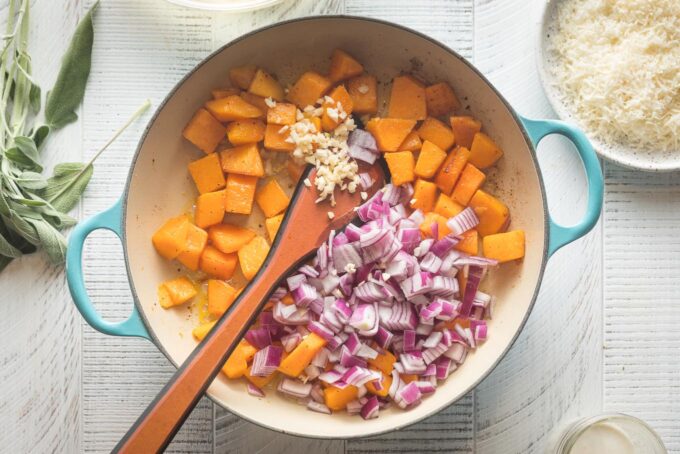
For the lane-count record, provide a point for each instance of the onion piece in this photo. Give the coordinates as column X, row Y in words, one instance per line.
column 463, row 221
column 294, row 387
column 259, row 337
column 371, row 408
column 318, row 407
column 266, row 361
column 254, row 390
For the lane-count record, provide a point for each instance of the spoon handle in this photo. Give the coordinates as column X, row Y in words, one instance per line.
column 155, row 428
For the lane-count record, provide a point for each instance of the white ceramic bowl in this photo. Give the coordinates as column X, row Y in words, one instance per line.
column 158, row 188
column 231, row 6
column 648, row 160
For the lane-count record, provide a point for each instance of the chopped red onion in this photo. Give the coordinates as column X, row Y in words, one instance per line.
column 365, row 180
column 354, row 407
column 358, row 376
column 443, row 365
column 321, row 358
column 353, row 343
column 463, row 221
column 412, row 362
column 383, row 337
column 424, row 329
column 266, row 361
column 254, row 390
column 408, row 395
column 308, row 270
column 294, row 387
column 433, row 339
column 364, row 317
column 312, row 372
column 290, row 315
column 474, row 277
column 362, row 146
column 423, row 248
column 346, row 255
column 318, row 407
column 317, row 393
column 291, row 341
column 433, row 353
column 259, row 337
column 348, row 360
column 331, row 376
column 425, row 387
column 409, row 340
column 456, row 352
column 371, row 408
column 366, row 352
column 295, row 281
column 430, row 263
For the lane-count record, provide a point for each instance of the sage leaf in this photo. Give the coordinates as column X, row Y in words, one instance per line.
column 52, row 242
column 69, row 89
column 21, row 226
column 7, row 250
column 34, row 98
column 31, row 180
column 40, row 135
column 67, row 184
column 18, row 157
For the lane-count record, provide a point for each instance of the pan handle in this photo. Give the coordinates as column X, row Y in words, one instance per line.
column 109, row 219
column 562, row 235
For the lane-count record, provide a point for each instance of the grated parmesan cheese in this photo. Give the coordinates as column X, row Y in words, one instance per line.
column 616, row 64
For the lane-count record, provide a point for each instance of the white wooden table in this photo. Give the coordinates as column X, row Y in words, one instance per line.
column 604, row 334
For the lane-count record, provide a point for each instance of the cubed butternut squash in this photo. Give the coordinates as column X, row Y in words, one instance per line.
column 429, row 160
column 207, row 173
column 271, row 198
column 218, row 264
column 180, row 290
column 201, row 331
column 308, row 89
column 424, row 195
column 240, row 193
column 257, row 101
column 229, row 238
column 386, row 381
column 277, row 138
column 237, row 363
column 469, row 242
column 219, row 93
column 272, row 225
column 245, row 131
column 342, row 102
column 484, row 152
column 407, row 99
column 436, row 132
column 204, row 131
column 233, row 108
column 343, row 66
column 412, row 142
column 441, row 99
column 464, row 129
column 263, row 84
column 252, row 256
column 447, row 207
column 364, row 93
column 337, row 399
column 494, row 215
column 221, row 296
column 293, row 364
column 470, row 180
column 401, row 165
column 450, row 171
column 384, row 362
column 242, row 76
column 171, row 238
column 209, row 209
column 282, row 113
column 260, row 382
column 243, row 160
column 197, row 238
column 504, row 247
column 389, row 133
column 432, row 218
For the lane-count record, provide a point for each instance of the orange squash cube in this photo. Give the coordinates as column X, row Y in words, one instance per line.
column 407, row 99
column 401, row 165
column 197, row 238
column 257, row 101
column 389, row 133
column 263, row 84
column 201, row 331
column 447, row 207
column 271, row 198
column 470, row 180
column 494, row 215
column 252, row 256
column 384, row 390
column 343, row 66
column 364, row 93
column 432, row 218
column 237, row 364
column 429, row 160
column 240, row 193
column 171, row 239
column 441, row 99
column 384, row 362
column 337, row 399
column 272, row 225
column 308, row 89
column 207, row 173
column 245, row 131
column 243, row 160
column 470, row 242
column 242, row 76
column 229, row 238
column 484, row 152
column 209, row 209
column 465, row 128
column 293, row 364
column 204, row 131
column 180, row 290
column 436, row 132
column 220, row 297
column 218, row 264
column 341, row 102
column 260, row 382
column 451, row 169
column 424, row 195
column 233, row 108
column 276, row 139
column 504, row 247
column 282, row 113
column 220, row 93
column 412, row 142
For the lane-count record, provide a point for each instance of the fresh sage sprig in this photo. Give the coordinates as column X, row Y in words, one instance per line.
column 33, row 209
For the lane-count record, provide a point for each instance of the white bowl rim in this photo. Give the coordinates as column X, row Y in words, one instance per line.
column 241, row 7
column 518, row 122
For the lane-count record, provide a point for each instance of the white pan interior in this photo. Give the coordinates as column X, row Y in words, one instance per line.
column 160, row 188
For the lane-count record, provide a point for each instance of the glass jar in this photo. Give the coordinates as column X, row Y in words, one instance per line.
column 607, row 433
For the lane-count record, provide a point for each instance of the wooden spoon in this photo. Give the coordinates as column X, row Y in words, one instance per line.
column 305, row 227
